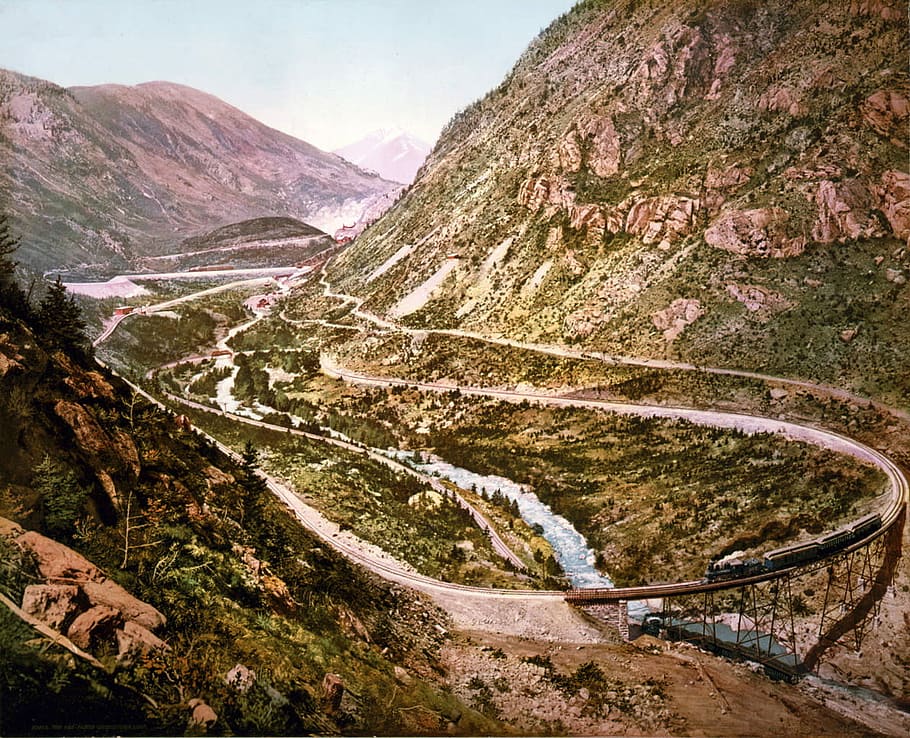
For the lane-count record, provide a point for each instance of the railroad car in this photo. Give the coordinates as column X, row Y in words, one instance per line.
column 835, row 540
column 798, row 553
column 866, row 525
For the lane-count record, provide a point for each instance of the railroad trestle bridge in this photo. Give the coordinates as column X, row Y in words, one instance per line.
column 765, row 618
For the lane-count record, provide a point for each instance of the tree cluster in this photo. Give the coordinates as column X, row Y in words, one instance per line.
column 57, row 320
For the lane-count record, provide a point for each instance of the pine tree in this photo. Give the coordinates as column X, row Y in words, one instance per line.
column 254, row 486
column 11, row 296
column 59, row 320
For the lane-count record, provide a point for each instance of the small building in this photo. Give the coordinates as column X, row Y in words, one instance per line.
column 123, row 309
column 222, row 352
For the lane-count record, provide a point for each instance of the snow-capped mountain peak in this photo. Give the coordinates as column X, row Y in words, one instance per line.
column 392, row 152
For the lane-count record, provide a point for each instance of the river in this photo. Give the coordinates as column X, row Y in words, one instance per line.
column 570, row 548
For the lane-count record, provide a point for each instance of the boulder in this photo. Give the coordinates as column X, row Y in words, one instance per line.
column 240, row 677
column 95, row 626
column 133, row 640
column 55, row 605
column 202, row 716
column 57, row 562
column 110, row 594
column 760, row 233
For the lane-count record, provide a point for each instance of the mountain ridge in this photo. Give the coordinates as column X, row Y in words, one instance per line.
column 663, row 181
column 109, row 173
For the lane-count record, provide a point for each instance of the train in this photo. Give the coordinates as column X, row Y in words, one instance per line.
column 795, row 554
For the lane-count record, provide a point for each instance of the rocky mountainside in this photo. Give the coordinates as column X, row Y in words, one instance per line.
column 721, row 182
column 150, row 585
column 393, row 154
column 104, row 174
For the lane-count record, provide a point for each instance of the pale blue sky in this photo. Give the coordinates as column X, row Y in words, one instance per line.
column 327, row 71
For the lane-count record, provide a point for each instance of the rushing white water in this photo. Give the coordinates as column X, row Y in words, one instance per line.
column 570, row 548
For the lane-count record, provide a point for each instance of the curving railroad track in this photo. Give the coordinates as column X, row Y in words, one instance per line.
column 396, row 571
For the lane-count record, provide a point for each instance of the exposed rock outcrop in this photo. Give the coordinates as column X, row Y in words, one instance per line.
column 662, row 219
column 894, row 198
column 55, row 605
column 845, row 212
column 761, row 233
column 757, row 300
column 673, row 320
column 887, row 112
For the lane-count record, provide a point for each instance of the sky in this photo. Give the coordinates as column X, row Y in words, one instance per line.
column 326, row 71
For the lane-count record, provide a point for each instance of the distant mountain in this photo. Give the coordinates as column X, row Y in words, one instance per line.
column 393, row 153
column 259, row 242
column 724, row 183
column 102, row 175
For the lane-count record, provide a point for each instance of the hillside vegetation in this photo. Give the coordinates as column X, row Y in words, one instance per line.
column 663, row 179
column 153, row 586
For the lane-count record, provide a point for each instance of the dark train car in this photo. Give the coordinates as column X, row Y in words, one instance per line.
column 835, row 540
column 866, row 525
column 781, row 558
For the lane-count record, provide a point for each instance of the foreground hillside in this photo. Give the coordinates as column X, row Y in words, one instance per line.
column 150, row 585
column 662, row 179
column 104, row 174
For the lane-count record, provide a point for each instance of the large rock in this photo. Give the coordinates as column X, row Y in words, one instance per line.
column 107, row 592
column 202, row 716
column 674, row 319
column 894, row 199
column 60, row 564
column 55, row 605
column 96, row 626
column 56, row 562
column 845, row 212
column 761, row 232
column 133, row 641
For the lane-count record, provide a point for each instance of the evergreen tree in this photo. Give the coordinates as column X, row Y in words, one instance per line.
column 62, row 497
column 254, row 486
column 11, row 296
column 59, row 320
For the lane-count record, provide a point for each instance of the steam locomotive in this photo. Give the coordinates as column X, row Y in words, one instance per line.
column 793, row 555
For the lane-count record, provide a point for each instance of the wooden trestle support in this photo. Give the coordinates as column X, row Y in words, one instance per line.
column 757, row 621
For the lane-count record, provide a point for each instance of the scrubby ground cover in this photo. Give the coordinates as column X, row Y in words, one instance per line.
column 392, row 510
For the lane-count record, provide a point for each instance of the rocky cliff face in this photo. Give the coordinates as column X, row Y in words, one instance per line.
column 726, row 182
column 103, row 174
